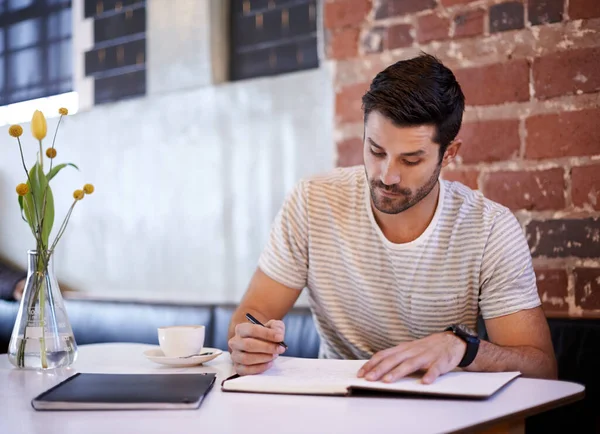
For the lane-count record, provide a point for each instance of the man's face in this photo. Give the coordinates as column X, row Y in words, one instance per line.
column 402, row 164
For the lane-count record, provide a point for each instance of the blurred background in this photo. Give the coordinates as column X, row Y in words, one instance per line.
column 194, row 118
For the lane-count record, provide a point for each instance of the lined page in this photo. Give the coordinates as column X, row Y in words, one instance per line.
column 456, row 383
column 300, row 376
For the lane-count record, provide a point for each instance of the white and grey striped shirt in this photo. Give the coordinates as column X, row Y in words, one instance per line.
column 368, row 294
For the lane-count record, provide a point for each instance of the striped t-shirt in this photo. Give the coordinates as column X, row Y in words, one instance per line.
column 366, row 293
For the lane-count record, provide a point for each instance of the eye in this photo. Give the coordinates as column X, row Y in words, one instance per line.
column 376, row 153
column 411, row 163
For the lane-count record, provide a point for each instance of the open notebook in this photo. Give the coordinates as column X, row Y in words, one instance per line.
column 338, row 377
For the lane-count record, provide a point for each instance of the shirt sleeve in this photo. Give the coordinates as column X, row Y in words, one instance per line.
column 507, row 276
column 285, row 256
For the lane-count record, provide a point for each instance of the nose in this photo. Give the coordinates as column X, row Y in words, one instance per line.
column 390, row 175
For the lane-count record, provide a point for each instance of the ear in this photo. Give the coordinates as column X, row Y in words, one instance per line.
column 451, row 152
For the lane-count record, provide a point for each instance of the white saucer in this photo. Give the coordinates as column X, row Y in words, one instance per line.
column 157, row 356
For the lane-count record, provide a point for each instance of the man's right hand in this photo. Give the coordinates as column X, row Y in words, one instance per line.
column 254, row 348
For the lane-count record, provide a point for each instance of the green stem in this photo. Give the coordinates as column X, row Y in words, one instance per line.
column 41, row 156
column 38, row 235
column 63, row 226
column 42, row 275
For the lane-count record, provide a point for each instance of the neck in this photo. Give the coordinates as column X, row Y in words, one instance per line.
column 408, row 225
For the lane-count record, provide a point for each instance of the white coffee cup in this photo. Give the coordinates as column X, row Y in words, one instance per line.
column 181, row 341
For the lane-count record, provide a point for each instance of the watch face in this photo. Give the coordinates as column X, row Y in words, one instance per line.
column 466, row 330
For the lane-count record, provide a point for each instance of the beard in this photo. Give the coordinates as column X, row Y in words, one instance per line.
column 404, row 198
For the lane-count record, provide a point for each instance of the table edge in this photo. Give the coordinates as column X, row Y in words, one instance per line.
column 521, row 415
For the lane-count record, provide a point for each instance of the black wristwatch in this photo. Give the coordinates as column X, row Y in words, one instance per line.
column 472, row 340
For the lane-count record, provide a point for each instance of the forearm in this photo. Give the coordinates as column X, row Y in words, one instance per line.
column 239, row 316
column 531, row 362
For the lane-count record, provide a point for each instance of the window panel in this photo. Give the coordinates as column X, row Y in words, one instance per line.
column 24, row 34
column 59, row 24
column 32, row 65
column 271, row 37
column 120, row 87
column 25, row 68
column 118, row 26
column 59, row 60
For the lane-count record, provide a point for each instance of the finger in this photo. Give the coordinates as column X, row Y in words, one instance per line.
column 242, row 358
column 252, row 345
column 252, row 369
column 276, row 325
column 378, row 357
column 432, row 373
column 387, row 364
column 406, row 368
column 247, row 330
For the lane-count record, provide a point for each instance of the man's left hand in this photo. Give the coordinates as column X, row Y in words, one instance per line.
column 436, row 354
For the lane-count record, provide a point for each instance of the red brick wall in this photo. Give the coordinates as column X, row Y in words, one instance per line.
column 530, row 71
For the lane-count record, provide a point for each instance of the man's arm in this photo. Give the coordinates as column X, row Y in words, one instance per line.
column 266, row 299
column 518, row 342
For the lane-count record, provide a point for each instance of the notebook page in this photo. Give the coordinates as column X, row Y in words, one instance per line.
column 300, row 376
column 456, row 383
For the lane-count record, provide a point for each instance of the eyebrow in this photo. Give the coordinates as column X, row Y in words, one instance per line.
column 404, row 154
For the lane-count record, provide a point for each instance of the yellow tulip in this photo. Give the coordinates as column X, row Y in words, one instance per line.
column 38, row 125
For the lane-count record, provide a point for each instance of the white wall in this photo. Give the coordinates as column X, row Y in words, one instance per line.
column 187, row 183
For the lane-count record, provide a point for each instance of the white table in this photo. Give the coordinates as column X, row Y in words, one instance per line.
column 227, row 412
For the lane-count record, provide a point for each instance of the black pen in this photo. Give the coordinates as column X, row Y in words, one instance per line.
column 255, row 321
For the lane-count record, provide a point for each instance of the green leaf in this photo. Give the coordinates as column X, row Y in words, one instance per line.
column 21, row 206
column 58, row 168
column 34, row 202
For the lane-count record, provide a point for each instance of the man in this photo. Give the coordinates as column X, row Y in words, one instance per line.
column 398, row 263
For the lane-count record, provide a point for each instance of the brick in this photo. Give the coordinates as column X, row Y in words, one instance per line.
column 563, row 134
column 489, row 141
column 448, row 3
column 585, row 186
column 398, row 36
column 343, row 44
column 350, row 153
column 432, row 27
column 348, row 103
column 481, row 85
column 567, row 72
column 587, row 288
column 392, row 8
column 527, row 190
column 469, row 23
column 545, row 11
column 583, row 9
column 373, row 40
column 558, row 238
column 552, row 287
column 507, row 16
column 466, row 177
column 342, row 13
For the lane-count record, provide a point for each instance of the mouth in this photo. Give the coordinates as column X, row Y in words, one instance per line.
column 390, row 194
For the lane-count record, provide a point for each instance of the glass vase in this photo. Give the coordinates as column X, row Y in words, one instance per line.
column 42, row 337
